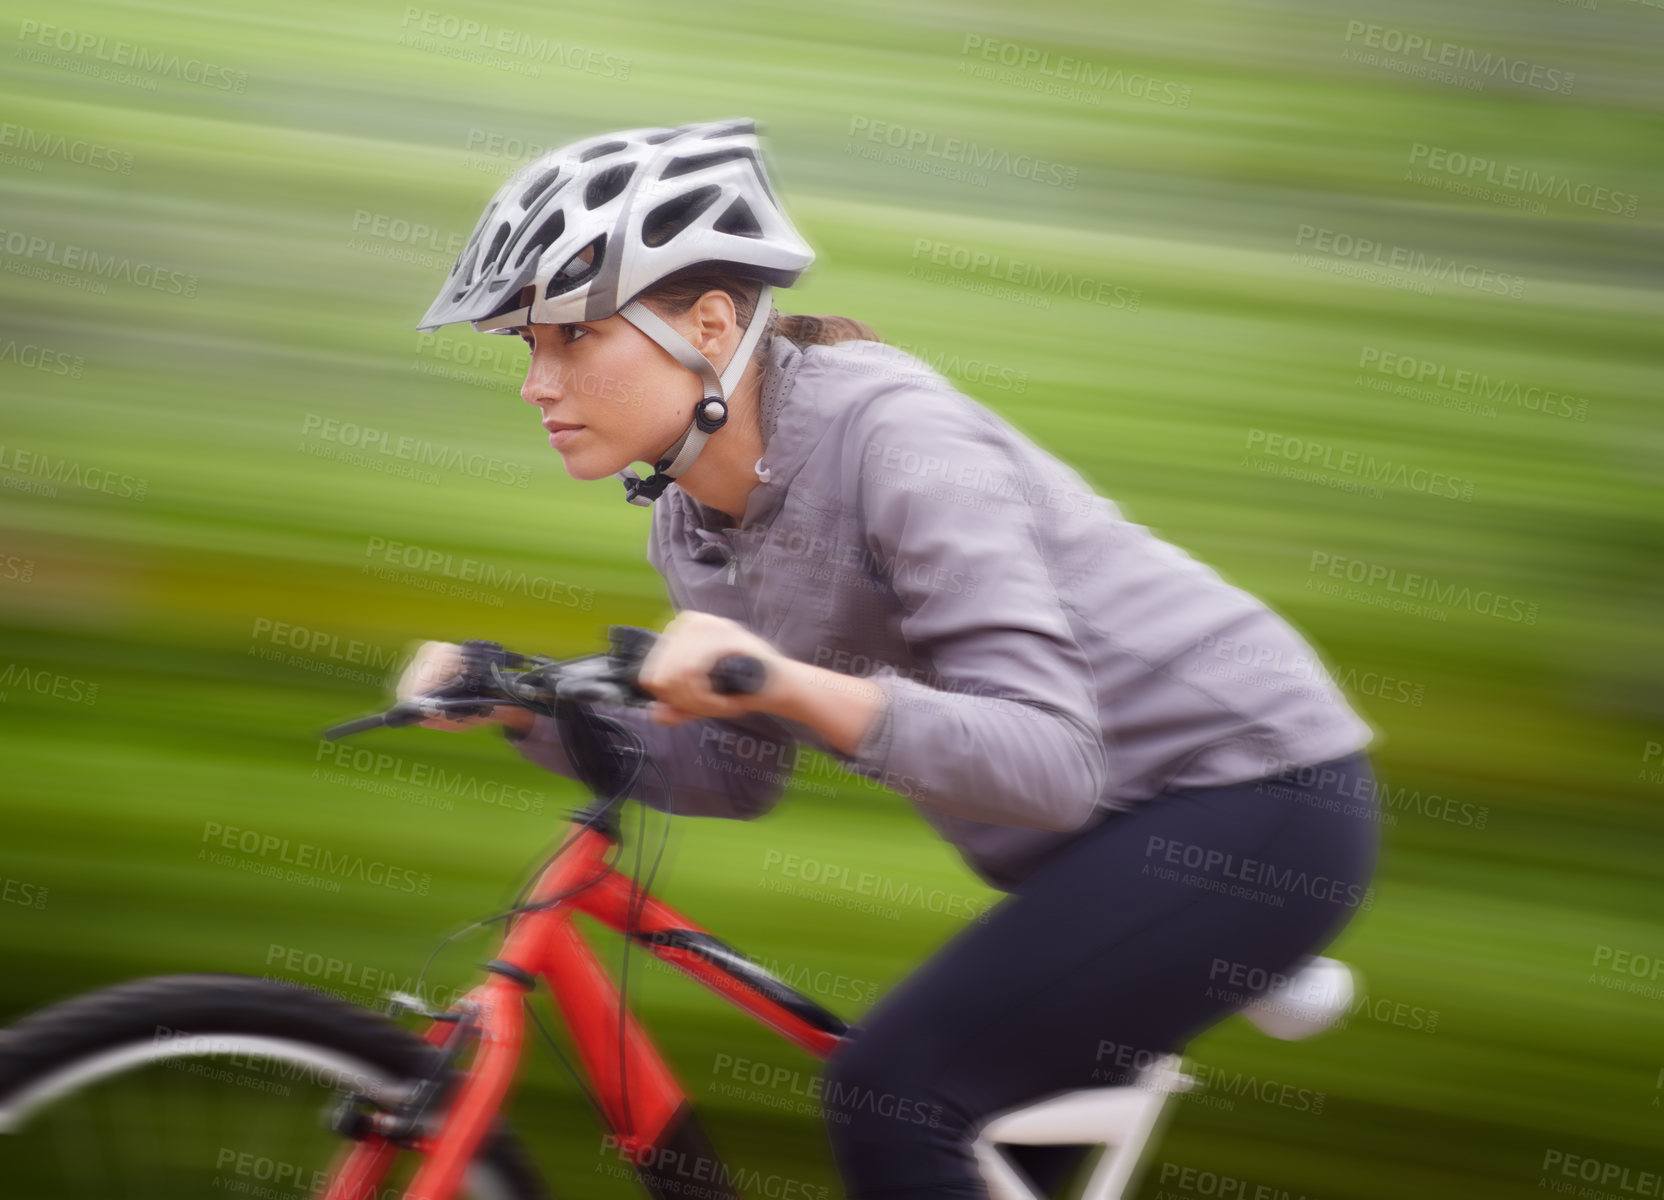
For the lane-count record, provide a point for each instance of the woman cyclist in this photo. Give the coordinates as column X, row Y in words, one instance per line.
column 1148, row 760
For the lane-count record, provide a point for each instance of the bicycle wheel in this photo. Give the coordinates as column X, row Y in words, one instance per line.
column 207, row 1086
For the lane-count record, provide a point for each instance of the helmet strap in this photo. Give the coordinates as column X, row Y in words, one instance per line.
column 711, row 413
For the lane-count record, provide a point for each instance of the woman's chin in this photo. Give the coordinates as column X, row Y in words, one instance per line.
column 590, row 462
column 580, row 465
column 578, row 468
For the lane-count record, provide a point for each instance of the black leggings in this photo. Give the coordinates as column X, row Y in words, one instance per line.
column 1117, row 949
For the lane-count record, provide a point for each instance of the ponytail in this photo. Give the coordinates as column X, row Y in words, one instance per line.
column 823, row 330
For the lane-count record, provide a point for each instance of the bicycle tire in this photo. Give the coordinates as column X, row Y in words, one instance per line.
column 95, row 1036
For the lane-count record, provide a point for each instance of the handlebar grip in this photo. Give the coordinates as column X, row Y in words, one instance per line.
column 732, row 674
column 736, row 674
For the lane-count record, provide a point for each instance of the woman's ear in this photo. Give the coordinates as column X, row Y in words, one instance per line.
column 713, row 319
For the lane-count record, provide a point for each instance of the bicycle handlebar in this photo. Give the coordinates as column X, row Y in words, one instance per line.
column 492, row 675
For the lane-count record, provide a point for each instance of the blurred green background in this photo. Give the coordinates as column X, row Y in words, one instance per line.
column 217, row 243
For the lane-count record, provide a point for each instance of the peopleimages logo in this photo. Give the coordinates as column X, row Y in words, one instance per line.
column 1276, row 664
column 43, row 682
column 448, row 784
column 406, row 231
column 1616, row 1177
column 1466, row 382
column 17, row 461
column 466, row 38
column 1213, row 1186
column 387, row 556
column 1475, row 168
column 47, row 144
column 1359, row 251
column 1004, row 269
column 1253, row 872
column 29, row 248
column 353, row 443
column 972, row 370
column 42, row 358
column 1018, row 58
column 126, row 54
column 346, row 979
column 927, row 142
column 306, row 856
column 1439, row 58
column 1415, row 586
column 1309, row 453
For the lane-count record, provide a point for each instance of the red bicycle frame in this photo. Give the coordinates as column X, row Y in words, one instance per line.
column 640, row 1099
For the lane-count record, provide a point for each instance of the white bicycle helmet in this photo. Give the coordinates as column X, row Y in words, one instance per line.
column 579, row 233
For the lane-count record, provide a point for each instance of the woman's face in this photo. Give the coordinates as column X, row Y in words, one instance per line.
column 629, row 398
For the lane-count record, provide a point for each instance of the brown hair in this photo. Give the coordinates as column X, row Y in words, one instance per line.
column 678, row 291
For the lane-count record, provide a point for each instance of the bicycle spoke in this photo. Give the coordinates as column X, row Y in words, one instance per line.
column 185, row 1130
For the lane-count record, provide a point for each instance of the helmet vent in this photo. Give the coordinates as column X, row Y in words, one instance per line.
column 473, row 244
column 537, row 185
column 731, row 129
column 577, row 270
column 698, row 162
column 665, row 135
column 511, row 302
column 673, row 216
column 739, row 220
column 608, row 184
column 497, row 241
column 601, row 151
column 545, row 236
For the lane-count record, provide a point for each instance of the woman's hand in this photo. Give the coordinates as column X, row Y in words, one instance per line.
column 432, row 666
column 678, row 669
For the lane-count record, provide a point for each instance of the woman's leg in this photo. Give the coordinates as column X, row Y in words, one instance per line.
column 1118, row 949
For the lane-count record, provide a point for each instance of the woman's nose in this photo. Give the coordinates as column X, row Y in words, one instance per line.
column 542, row 382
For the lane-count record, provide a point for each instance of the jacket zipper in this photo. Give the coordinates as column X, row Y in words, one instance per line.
column 734, row 577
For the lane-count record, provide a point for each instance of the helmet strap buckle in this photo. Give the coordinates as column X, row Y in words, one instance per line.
column 711, row 414
column 644, row 491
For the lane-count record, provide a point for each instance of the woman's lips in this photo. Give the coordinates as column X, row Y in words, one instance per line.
column 560, row 434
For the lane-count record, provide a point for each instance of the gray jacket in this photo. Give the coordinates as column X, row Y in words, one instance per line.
column 1043, row 659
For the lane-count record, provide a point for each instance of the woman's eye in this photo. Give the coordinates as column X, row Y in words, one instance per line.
column 568, row 335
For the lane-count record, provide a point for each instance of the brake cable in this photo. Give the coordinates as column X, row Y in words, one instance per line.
column 632, row 924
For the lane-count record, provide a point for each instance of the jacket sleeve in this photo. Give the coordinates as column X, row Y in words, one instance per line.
column 736, row 767
column 1014, row 737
